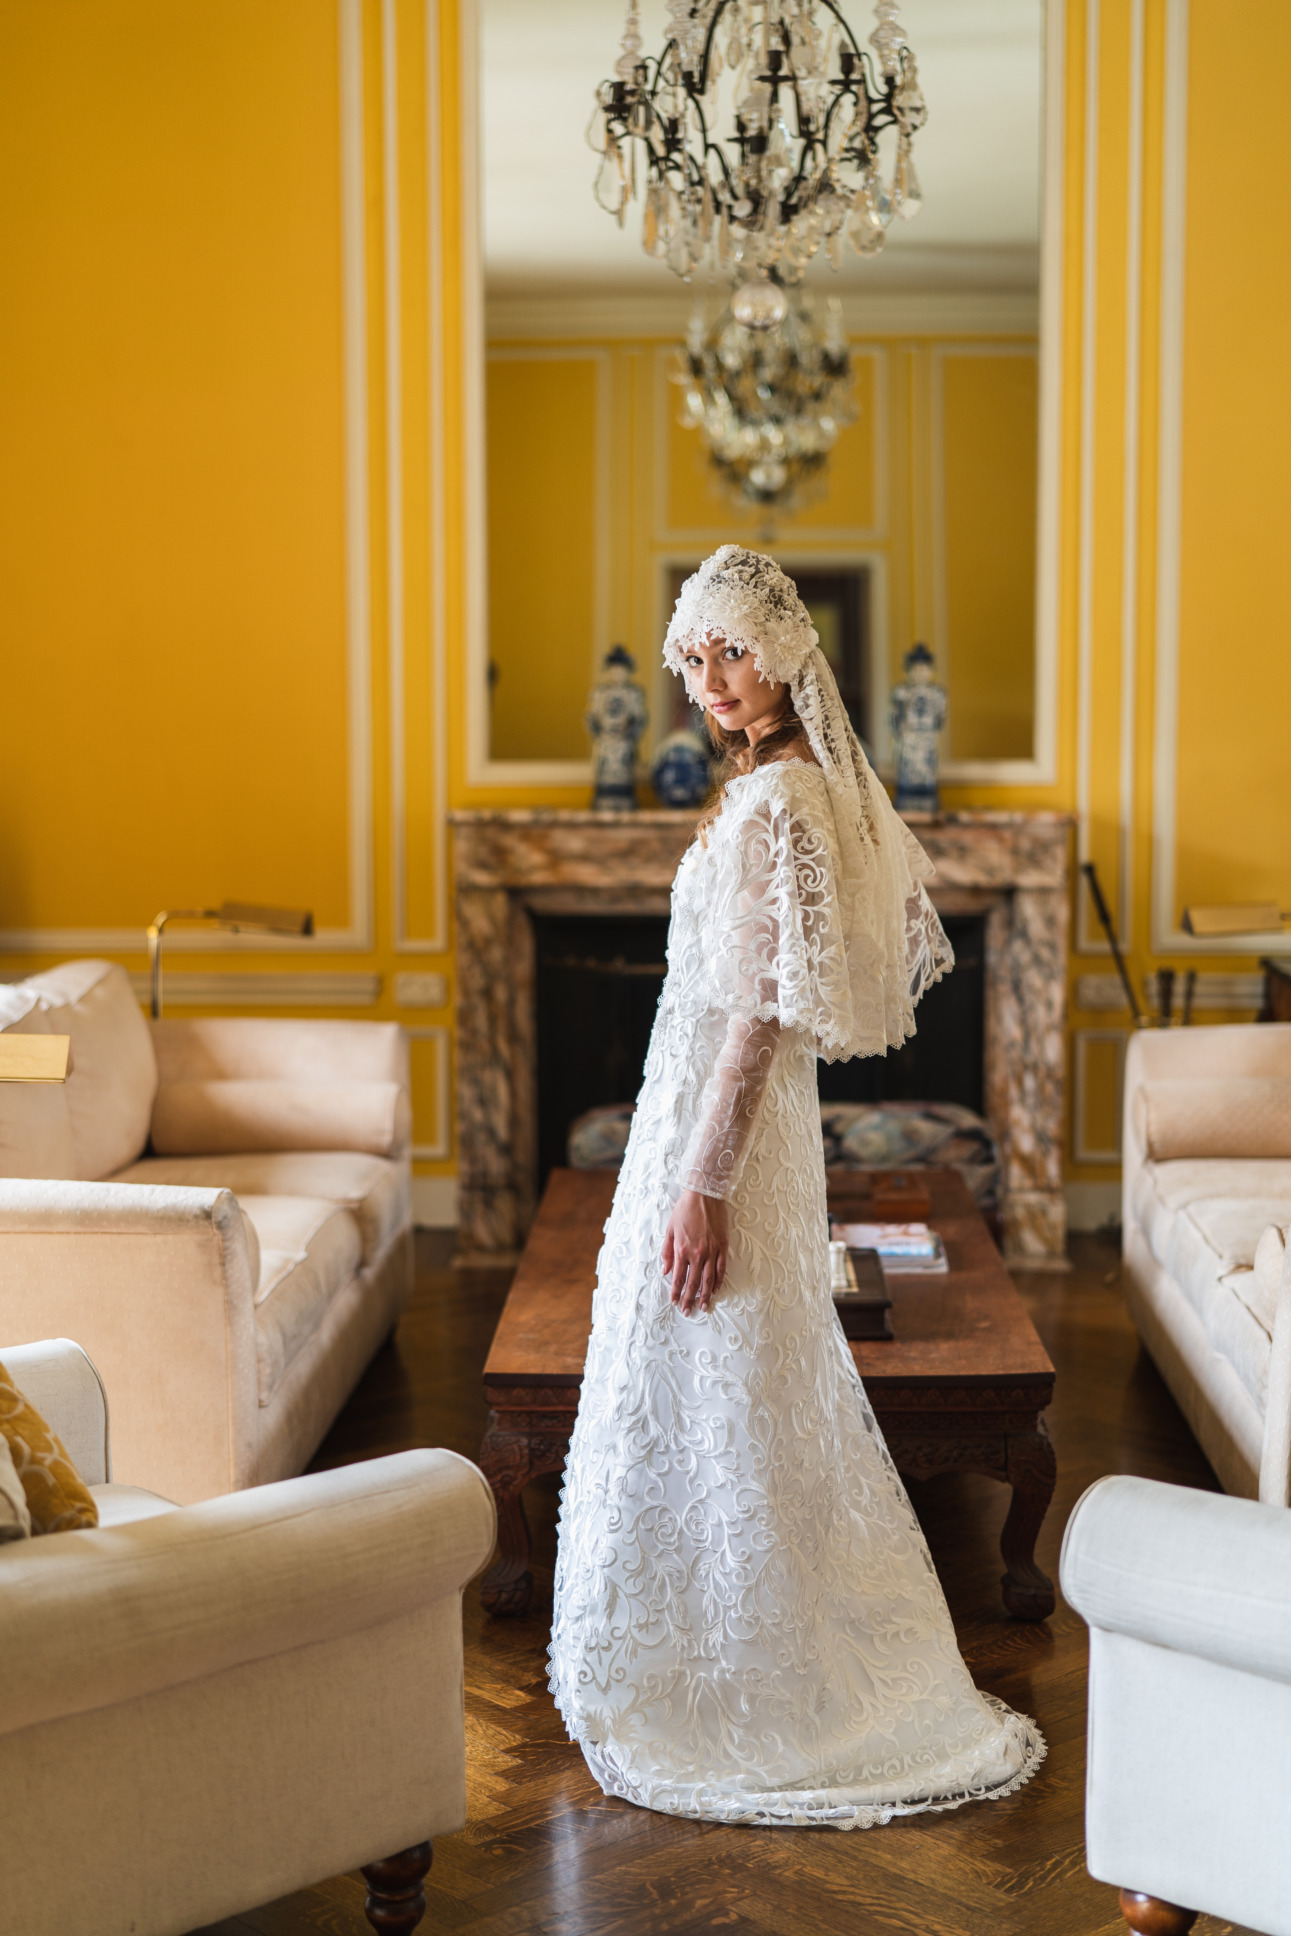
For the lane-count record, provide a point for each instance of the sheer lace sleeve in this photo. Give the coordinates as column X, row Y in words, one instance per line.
column 775, row 927
column 729, row 1106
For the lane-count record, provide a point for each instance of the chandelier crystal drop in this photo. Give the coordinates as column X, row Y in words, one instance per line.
column 769, row 403
column 799, row 166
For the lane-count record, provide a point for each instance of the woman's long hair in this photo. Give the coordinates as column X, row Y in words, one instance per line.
column 735, row 755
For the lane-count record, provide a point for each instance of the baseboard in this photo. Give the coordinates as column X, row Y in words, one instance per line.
column 434, row 1202
column 1092, row 1206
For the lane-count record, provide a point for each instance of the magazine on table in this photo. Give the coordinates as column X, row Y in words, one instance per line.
column 905, row 1248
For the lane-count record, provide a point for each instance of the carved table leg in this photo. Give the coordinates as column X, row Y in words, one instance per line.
column 505, row 1461
column 1149, row 1916
column 1032, row 1472
column 395, row 1902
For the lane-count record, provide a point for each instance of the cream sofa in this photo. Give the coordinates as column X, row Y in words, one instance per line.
column 204, row 1708
column 1207, row 1204
column 1188, row 1599
column 218, row 1210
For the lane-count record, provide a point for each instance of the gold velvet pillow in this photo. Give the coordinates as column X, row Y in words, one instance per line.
column 57, row 1498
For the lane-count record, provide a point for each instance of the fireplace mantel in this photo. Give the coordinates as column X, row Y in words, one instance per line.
column 512, row 864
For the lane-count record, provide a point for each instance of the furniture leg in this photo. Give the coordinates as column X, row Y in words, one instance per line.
column 1149, row 1916
column 521, row 1442
column 395, row 1902
column 505, row 1461
column 1032, row 1472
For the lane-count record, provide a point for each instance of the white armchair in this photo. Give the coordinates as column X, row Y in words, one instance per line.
column 1188, row 1599
column 203, row 1708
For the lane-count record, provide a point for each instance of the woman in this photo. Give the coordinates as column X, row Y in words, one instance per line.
column 748, row 1627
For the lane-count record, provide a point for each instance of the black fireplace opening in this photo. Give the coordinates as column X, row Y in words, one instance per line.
column 597, row 985
column 944, row 1061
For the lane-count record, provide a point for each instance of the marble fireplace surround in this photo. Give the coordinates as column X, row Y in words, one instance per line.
column 510, row 865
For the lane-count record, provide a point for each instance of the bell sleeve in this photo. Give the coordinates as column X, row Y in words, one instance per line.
column 777, row 961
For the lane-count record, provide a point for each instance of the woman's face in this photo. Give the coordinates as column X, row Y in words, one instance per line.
column 725, row 681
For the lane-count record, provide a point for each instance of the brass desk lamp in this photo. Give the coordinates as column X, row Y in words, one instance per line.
column 238, row 917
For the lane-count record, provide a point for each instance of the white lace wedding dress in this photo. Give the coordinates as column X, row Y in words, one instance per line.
column 748, row 1626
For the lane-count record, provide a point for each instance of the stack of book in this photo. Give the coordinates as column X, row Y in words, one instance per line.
column 903, row 1247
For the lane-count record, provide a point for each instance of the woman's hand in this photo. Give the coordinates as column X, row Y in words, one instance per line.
column 695, row 1247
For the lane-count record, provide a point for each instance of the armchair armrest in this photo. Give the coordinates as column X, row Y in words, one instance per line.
column 158, row 1286
column 1196, row 1572
column 62, row 1383
column 236, row 1579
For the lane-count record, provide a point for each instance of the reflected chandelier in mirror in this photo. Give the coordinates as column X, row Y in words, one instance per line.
column 800, row 166
column 768, row 404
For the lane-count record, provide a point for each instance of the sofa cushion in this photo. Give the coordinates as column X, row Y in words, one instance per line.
column 1233, row 1116
column 1161, row 1190
column 1238, row 1336
column 309, row 1250
column 113, row 1078
column 1260, row 1294
column 1209, row 1250
column 203, row 1117
column 373, row 1189
column 35, row 1122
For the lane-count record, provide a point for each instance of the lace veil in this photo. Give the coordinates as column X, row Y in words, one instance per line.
column 896, row 946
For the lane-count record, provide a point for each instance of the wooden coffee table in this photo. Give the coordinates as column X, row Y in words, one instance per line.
column 960, row 1387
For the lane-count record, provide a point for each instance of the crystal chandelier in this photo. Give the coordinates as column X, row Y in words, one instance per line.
column 768, row 403
column 799, row 167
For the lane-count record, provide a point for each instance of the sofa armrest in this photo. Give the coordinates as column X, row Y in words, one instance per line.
column 158, row 1286
column 62, row 1383
column 194, row 1593
column 1196, row 1572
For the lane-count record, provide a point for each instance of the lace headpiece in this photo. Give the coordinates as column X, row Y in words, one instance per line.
column 743, row 596
column 896, row 946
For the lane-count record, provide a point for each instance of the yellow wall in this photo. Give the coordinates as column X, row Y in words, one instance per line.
column 239, row 515
column 596, row 489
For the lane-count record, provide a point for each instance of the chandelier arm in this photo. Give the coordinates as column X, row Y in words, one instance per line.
column 697, row 83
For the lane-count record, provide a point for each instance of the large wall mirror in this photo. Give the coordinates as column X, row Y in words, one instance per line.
column 931, row 520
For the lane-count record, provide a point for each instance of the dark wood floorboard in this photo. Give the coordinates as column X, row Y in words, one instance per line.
column 544, row 1853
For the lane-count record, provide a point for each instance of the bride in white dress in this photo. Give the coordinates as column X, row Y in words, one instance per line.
column 747, row 1624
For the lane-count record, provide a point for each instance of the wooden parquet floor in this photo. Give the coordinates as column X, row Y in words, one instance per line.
column 544, row 1853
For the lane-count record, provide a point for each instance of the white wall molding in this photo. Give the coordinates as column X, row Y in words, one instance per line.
column 434, row 1202
column 310, row 988
column 1215, row 993
column 484, row 769
column 357, row 494
column 436, row 942
column 1092, row 1206
column 1127, row 776
column 644, row 315
column 977, row 772
column 441, row 1143
column 1167, row 935
column 1088, row 939
column 1081, row 1151
column 1048, row 588
column 358, row 933
column 1085, row 942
